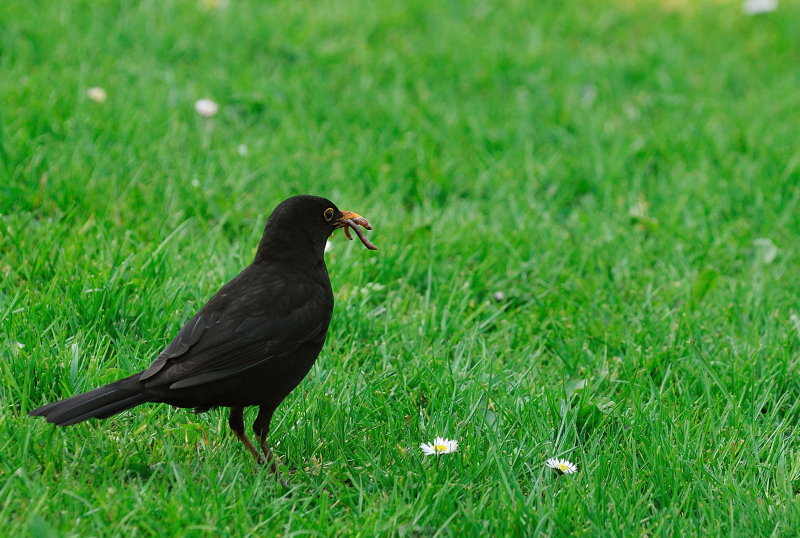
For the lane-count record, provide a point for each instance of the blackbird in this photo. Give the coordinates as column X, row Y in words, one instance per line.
column 252, row 342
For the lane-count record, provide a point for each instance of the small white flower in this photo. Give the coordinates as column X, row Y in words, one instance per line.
column 562, row 466
column 754, row 7
column 440, row 445
column 206, row 107
column 328, row 246
column 242, row 149
column 499, row 296
column 766, row 251
column 97, row 94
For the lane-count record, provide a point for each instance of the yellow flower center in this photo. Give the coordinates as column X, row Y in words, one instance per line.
column 561, row 467
column 440, row 448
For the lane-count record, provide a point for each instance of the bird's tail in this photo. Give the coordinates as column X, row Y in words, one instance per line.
column 102, row 402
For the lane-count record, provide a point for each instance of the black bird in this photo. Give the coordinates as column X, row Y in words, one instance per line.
column 252, row 343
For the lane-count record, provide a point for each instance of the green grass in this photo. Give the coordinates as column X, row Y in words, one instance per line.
column 626, row 173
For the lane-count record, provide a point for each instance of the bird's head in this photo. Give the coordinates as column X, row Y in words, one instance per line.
column 302, row 224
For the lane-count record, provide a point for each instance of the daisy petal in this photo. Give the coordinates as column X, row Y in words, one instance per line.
column 206, row 107
column 440, row 445
column 562, row 466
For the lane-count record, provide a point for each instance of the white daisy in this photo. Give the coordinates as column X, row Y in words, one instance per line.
column 562, row 466
column 206, row 107
column 97, row 94
column 440, row 445
column 755, row 7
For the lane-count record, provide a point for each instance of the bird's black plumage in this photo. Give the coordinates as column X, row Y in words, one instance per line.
column 254, row 340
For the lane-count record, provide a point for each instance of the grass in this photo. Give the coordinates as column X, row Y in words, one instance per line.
column 625, row 173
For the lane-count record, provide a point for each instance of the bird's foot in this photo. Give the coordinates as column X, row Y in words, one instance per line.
column 273, row 468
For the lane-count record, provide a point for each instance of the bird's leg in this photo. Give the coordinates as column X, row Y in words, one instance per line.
column 261, row 429
column 236, row 422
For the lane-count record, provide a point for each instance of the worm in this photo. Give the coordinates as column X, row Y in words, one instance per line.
column 353, row 223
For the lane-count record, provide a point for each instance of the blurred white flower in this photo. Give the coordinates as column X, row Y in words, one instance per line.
column 206, row 107
column 440, row 445
column 499, row 296
column 562, row 466
column 754, row 7
column 97, row 94
column 766, row 251
column 242, row 149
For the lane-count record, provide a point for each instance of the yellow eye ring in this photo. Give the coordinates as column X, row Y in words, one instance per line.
column 328, row 214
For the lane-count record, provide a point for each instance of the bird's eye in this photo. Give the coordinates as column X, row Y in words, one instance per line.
column 328, row 214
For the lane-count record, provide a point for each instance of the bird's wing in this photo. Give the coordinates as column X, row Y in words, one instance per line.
column 249, row 321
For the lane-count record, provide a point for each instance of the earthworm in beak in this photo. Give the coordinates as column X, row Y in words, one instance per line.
column 354, row 220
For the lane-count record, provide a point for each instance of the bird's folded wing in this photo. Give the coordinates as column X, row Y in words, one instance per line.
column 188, row 335
column 223, row 351
column 226, row 339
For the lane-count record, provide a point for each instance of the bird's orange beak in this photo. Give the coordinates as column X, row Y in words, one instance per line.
column 352, row 220
column 349, row 215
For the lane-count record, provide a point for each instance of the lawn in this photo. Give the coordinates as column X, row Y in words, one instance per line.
column 588, row 216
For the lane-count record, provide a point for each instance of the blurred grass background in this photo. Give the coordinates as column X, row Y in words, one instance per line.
column 624, row 174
